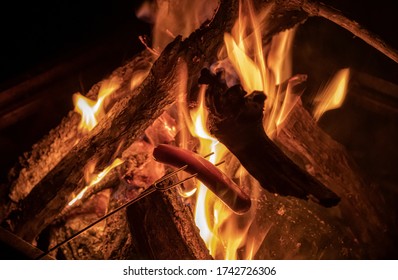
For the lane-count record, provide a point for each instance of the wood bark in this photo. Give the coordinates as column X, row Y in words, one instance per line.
column 125, row 122
column 321, row 10
column 48, row 152
column 359, row 198
column 163, row 228
column 53, row 147
column 236, row 120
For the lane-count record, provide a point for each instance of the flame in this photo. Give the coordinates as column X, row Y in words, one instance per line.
column 227, row 235
column 245, row 50
column 333, row 95
column 224, row 232
column 175, row 17
column 206, row 217
column 261, row 69
column 94, row 179
column 90, row 110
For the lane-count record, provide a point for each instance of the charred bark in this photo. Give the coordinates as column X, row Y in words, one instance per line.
column 163, row 228
column 236, row 121
column 357, row 228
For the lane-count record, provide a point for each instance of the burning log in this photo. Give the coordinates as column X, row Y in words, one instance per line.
column 43, row 157
column 163, row 227
column 145, row 104
column 126, row 121
column 46, row 154
column 236, row 121
column 357, row 227
column 158, row 226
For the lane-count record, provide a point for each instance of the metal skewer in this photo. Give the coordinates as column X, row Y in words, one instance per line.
column 152, row 188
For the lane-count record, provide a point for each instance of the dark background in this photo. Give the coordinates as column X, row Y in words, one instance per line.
column 35, row 33
column 50, row 50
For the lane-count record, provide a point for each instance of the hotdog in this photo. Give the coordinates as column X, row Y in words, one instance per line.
column 219, row 183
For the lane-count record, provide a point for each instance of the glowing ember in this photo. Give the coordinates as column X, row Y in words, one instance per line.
column 333, row 95
column 90, row 110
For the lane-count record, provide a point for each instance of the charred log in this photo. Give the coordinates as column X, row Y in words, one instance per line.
column 162, row 227
column 236, row 121
column 357, row 228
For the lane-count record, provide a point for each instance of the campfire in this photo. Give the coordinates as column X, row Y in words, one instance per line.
column 203, row 146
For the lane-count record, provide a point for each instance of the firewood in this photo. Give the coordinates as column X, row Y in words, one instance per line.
column 200, row 48
column 357, row 228
column 34, row 165
column 163, row 227
column 45, row 154
column 126, row 121
column 362, row 203
column 318, row 9
column 158, row 226
column 236, row 121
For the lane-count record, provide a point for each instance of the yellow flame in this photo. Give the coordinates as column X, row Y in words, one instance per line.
column 175, row 17
column 204, row 214
column 279, row 56
column 262, row 70
column 333, row 95
column 95, row 179
column 248, row 71
column 227, row 235
column 245, row 50
column 91, row 111
column 224, row 232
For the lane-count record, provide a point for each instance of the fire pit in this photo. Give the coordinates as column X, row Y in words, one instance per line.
column 281, row 178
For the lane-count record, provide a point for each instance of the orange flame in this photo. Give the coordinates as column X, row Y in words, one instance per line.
column 94, row 179
column 333, row 95
column 227, row 235
column 204, row 214
column 175, row 17
column 249, row 65
column 90, row 110
column 262, row 70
